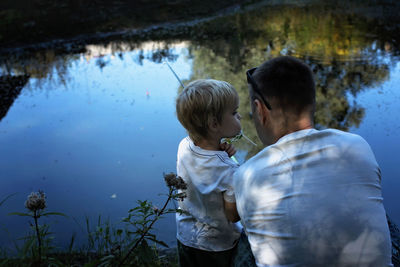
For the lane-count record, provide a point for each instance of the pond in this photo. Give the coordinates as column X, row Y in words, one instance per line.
column 94, row 126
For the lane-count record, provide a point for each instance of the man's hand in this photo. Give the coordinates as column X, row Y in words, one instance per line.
column 228, row 148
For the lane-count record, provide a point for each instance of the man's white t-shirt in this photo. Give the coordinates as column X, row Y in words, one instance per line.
column 314, row 199
column 209, row 177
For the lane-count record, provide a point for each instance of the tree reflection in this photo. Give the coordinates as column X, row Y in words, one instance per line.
column 10, row 87
column 335, row 82
column 349, row 50
column 346, row 53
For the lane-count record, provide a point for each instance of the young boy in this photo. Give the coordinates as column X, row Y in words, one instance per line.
column 208, row 111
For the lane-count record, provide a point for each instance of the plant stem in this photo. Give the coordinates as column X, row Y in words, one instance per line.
column 35, row 216
column 148, row 228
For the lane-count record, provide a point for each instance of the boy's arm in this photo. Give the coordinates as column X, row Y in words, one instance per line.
column 231, row 211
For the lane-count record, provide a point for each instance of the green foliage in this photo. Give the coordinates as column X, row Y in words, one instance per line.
column 141, row 217
column 32, row 250
column 111, row 242
column 140, row 221
column 127, row 243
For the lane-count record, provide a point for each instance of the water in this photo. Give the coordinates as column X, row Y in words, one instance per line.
column 95, row 143
column 97, row 129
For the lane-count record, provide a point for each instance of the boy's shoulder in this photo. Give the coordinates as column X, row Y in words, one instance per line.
column 188, row 150
column 184, row 142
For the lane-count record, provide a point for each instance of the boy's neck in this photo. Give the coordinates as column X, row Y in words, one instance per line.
column 208, row 144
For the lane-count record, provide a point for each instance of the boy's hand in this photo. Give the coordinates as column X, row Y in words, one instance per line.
column 228, row 148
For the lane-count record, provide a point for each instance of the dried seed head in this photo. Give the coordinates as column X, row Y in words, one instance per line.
column 180, row 184
column 170, row 179
column 36, row 201
column 174, row 182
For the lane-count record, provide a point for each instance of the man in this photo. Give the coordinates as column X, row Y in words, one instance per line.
column 309, row 198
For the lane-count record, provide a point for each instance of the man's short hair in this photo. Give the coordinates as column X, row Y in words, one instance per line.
column 288, row 83
column 202, row 101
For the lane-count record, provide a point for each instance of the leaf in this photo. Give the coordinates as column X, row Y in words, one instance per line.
column 171, row 210
column 134, row 209
column 20, row 214
column 71, row 243
column 54, row 262
column 149, row 236
column 119, row 232
column 146, row 254
column 158, row 241
column 126, row 219
column 106, row 261
column 54, row 213
column 92, row 264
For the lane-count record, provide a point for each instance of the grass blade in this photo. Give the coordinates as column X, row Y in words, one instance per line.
column 7, row 197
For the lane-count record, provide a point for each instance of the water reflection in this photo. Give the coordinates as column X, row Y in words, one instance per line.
column 95, row 124
column 348, row 51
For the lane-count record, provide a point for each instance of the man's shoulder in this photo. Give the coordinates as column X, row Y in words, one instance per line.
column 343, row 137
column 339, row 133
column 272, row 155
column 344, row 145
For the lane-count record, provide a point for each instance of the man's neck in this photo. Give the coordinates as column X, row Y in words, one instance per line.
column 294, row 126
column 301, row 125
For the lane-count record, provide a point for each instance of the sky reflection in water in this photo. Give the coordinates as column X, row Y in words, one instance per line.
column 381, row 128
column 95, row 144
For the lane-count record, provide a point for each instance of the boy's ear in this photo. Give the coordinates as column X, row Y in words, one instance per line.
column 213, row 124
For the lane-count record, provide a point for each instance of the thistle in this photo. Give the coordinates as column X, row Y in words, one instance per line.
column 36, row 201
column 174, row 182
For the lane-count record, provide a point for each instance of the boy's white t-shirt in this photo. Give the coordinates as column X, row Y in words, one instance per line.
column 209, row 176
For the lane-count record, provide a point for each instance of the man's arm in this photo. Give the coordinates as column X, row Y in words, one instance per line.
column 231, row 211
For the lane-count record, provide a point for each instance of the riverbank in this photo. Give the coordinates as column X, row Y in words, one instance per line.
column 164, row 258
column 26, row 23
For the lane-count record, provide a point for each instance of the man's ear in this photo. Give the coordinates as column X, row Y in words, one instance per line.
column 261, row 110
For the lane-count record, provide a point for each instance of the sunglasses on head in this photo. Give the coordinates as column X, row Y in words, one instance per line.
column 254, row 86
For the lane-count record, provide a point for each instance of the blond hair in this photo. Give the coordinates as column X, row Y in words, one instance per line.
column 202, row 101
